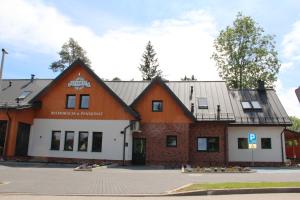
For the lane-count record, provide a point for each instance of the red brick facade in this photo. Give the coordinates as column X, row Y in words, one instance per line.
column 207, row 129
column 157, row 151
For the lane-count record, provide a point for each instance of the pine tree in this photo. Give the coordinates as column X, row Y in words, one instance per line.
column 149, row 64
column 70, row 51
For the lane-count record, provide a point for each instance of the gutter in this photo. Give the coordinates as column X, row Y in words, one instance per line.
column 124, row 140
column 282, row 151
column 6, row 134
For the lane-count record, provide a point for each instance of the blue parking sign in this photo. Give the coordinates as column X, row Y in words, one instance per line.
column 251, row 138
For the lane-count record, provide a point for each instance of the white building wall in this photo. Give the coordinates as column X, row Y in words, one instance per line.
column 112, row 139
column 259, row 154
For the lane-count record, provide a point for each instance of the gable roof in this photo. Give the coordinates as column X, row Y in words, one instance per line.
column 158, row 80
column 215, row 91
column 92, row 73
column 127, row 93
column 271, row 113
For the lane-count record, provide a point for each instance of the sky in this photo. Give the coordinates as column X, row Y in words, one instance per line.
column 114, row 34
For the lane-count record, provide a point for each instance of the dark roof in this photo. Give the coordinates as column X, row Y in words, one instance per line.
column 9, row 94
column 215, row 92
column 128, row 92
column 272, row 111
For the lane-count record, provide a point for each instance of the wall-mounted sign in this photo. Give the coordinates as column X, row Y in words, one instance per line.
column 79, row 83
column 73, row 113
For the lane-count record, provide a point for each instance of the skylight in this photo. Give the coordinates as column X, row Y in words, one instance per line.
column 24, row 94
column 246, row 105
column 256, row 105
column 202, row 103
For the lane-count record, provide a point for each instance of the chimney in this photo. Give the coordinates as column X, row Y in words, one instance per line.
column 218, row 112
column 192, row 108
column 191, row 92
column 32, row 77
column 261, row 85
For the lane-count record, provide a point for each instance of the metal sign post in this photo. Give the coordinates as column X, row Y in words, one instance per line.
column 252, row 144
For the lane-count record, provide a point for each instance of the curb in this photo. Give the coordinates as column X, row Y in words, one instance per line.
column 237, row 191
column 191, row 193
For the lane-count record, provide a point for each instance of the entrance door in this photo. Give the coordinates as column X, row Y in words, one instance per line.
column 3, row 125
column 139, row 151
column 22, row 139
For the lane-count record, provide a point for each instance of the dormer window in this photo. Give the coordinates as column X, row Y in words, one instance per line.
column 24, row 94
column 202, row 103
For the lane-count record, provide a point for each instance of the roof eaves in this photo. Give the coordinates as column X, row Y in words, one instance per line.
column 79, row 62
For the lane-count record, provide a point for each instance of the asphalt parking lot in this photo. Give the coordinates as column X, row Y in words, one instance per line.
column 63, row 180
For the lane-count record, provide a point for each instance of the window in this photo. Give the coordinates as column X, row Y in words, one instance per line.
column 55, row 140
column 266, row 143
column 202, row 103
column 256, row 105
column 246, row 105
column 69, row 140
column 157, row 106
column 171, row 141
column 24, row 94
column 84, row 101
column 242, row 143
column 208, row 144
column 83, row 141
column 71, row 101
column 97, row 142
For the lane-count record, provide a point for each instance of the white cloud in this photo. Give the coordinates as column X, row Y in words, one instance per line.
column 183, row 44
column 291, row 43
column 288, row 99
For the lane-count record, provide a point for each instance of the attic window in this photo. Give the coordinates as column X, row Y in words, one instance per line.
column 255, row 105
column 246, row 105
column 202, row 103
column 24, row 94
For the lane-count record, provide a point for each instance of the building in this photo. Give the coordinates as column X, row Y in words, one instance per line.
column 77, row 116
column 297, row 91
column 292, row 144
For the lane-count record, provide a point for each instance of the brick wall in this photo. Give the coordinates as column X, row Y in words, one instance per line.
column 207, row 129
column 157, row 153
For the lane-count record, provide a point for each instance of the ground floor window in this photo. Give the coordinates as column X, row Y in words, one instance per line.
column 55, row 140
column 243, row 143
column 69, row 140
column 208, row 144
column 97, row 142
column 171, row 141
column 83, row 140
column 266, row 143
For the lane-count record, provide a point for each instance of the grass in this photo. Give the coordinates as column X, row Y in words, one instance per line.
column 238, row 185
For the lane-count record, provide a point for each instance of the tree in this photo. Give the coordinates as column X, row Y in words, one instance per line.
column 70, row 51
column 189, row 79
column 296, row 124
column 244, row 54
column 149, row 64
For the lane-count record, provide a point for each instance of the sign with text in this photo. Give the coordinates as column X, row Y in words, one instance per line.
column 251, row 140
column 74, row 113
column 79, row 83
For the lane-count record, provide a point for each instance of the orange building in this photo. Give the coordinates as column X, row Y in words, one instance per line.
column 77, row 116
